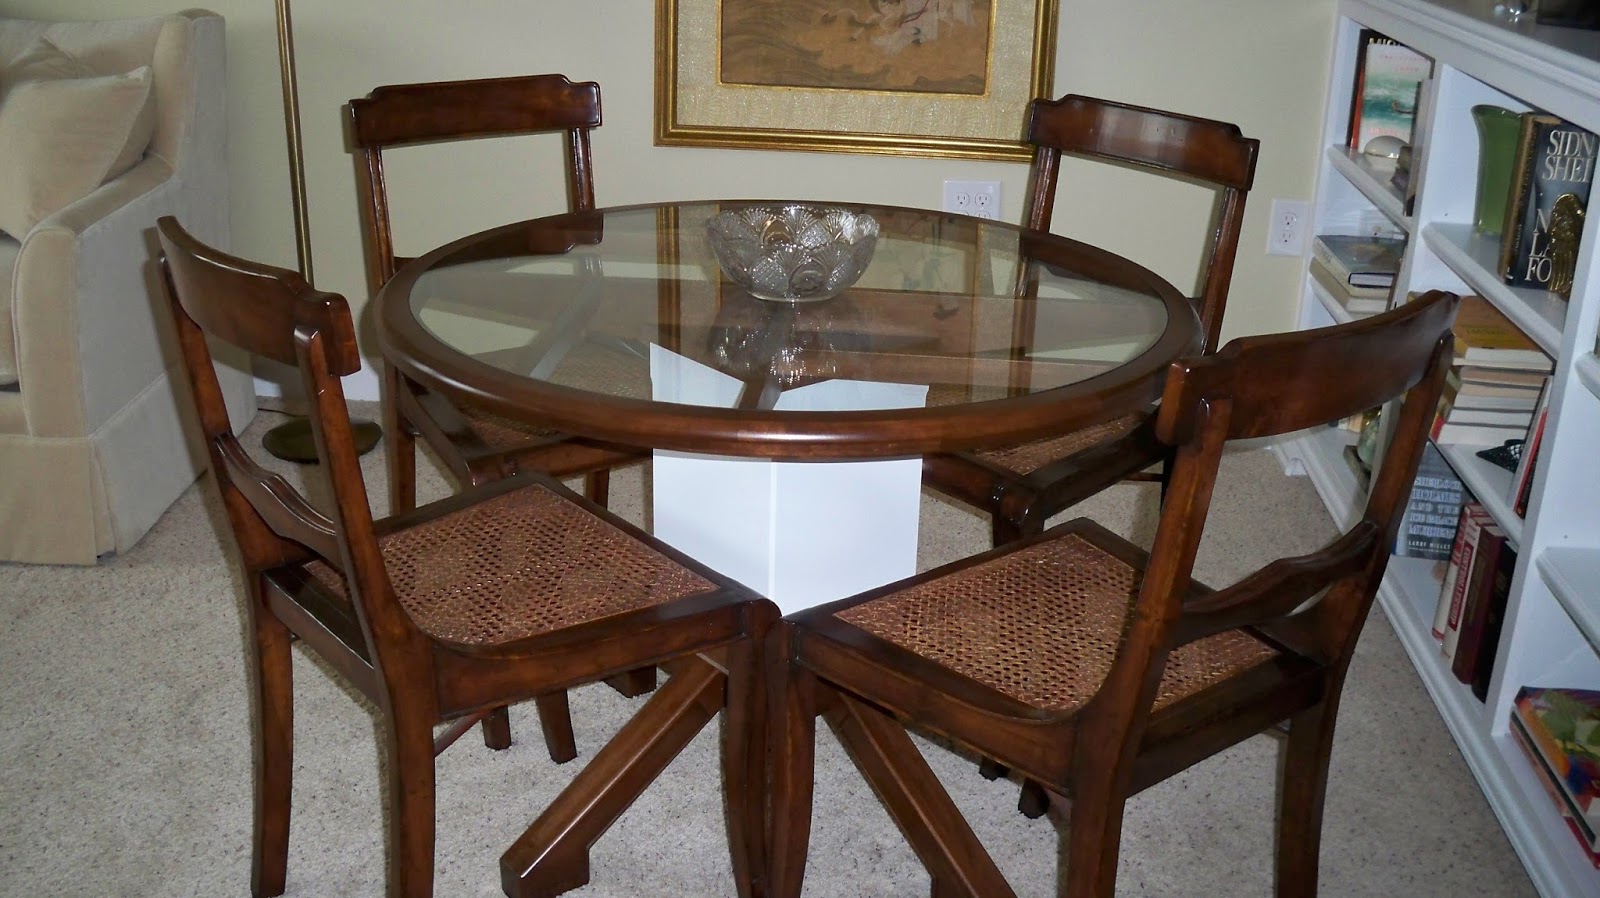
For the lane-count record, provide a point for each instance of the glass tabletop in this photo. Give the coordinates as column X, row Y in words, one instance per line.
column 625, row 311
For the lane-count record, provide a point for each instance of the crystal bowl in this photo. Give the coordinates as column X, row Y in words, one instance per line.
column 793, row 253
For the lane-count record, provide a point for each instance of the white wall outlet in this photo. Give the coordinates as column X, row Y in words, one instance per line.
column 977, row 198
column 1286, row 233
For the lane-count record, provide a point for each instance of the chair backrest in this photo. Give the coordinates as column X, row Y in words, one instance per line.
column 1313, row 605
column 1204, row 150
column 274, row 313
column 400, row 114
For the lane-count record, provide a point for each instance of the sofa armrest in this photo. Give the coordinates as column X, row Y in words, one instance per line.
column 92, row 327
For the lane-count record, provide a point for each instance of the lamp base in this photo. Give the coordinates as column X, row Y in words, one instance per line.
column 292, row 440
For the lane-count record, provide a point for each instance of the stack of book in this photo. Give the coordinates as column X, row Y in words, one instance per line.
column 1496, row 382
column 1358, row 272
column 1559, row 732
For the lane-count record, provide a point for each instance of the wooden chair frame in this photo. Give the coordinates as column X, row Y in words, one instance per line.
column 404, row 114
column 417, row 679
column 1308, row 610
column 1201, row 150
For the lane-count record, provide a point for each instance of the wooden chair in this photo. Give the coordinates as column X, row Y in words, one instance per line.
column 499, row 594
column 1097, row 669
column 475, row 444
column 1020, row 487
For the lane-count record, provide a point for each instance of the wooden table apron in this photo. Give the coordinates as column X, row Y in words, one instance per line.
column 731, row 484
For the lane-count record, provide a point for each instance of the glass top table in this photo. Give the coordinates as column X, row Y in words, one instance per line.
column 618, row 324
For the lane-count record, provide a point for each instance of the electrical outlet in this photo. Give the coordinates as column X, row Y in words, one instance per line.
column 976, row 198
column 1286, row 233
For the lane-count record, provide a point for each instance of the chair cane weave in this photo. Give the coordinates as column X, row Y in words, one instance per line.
column 518, row 565
column 586, row 367
column 1042, row 625
column 1029, row 457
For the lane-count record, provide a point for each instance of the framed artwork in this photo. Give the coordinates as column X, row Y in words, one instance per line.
column 947, row 78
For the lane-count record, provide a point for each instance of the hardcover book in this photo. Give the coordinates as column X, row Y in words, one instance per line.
column 1493, row 563
column 1549, row 194
column 1485, row 337
column 1471, row 517
column 1355, row 300
column 1388, row 79
column 1547, row 779
column 1563, row 726
column 1428, row 525
column 1359, row 261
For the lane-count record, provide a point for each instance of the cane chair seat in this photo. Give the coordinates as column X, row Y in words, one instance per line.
column 1041, row 626
column 499, row 432
column 519, row 565
column 1030, row 457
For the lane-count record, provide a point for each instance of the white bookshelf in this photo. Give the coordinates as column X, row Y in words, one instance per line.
column 1551, row 635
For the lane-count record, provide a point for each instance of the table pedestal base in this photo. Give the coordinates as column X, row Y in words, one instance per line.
column 799, row 533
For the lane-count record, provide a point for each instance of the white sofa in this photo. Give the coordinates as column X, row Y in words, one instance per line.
column 96, row 439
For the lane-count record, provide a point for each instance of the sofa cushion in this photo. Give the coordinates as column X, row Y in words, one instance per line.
column 44, row 60
column 62, row 138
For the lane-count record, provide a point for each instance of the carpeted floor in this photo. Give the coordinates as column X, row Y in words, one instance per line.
column 125, row 754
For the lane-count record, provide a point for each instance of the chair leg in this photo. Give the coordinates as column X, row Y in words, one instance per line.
column 274, row 754
column 400, row 447
column 1305, row 785
column 411, row 804
column 634, row 683
column 744, row 760
column 552, row 856
column 555, row 719
column 597, row 486
column 1094, row 836
column 910, row 792
column 793, row 721
column 497, row 729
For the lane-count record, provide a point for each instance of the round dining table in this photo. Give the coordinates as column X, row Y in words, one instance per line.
column 619, row 324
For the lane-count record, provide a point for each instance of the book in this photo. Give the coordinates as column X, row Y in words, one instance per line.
column 1493, row 623
column 1522, row 478
column 1457, row 597
column 1493, row 553
column 1359, row 261
column 1485, row 337
column 1472, row 514
column 1544, row 213
column 1563, row 728
column 1388, row 79
column 1355, row 300
column 1428, row 524
column 1547, row 780
column 1508, row 378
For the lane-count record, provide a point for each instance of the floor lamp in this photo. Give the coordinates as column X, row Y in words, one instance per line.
column 292, row 440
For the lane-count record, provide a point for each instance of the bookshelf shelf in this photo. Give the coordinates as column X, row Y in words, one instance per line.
column 1588, row 371
column 1540, row 314
column 1571, row 574
column 1551, row 633
column 1340, row 314
column 1490, row 485
column 1371, row 177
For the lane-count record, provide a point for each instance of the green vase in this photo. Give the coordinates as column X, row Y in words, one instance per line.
column 1497, row 150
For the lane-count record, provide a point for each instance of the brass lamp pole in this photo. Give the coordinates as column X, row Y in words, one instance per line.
column 292, row 440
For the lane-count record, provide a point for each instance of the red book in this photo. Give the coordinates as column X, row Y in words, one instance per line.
column 1457, row 595
column 1472, row 515
column 1492, row 552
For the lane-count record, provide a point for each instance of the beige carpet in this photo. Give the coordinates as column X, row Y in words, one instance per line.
column 125, row 752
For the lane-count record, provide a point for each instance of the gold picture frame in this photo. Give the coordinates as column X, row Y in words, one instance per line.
column 853, row 76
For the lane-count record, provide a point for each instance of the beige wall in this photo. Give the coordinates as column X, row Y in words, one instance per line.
column 1259, row 63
